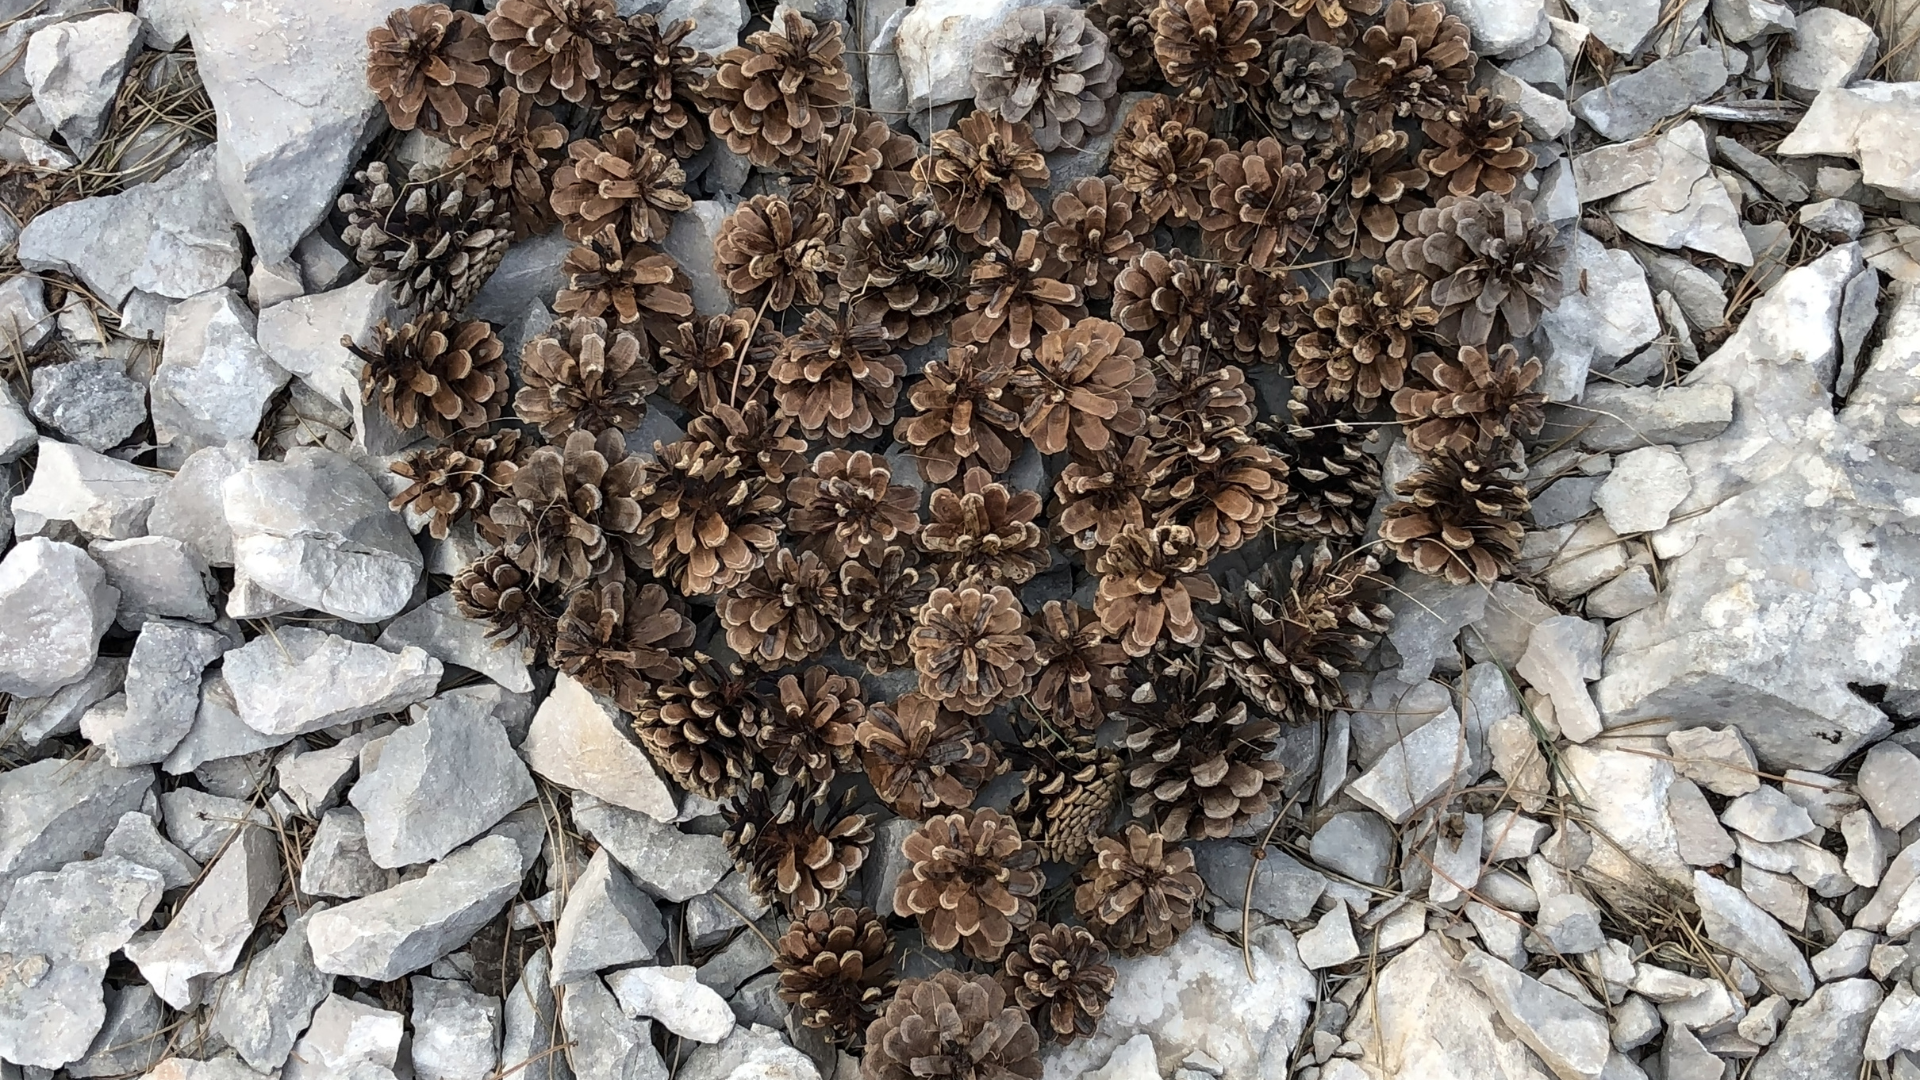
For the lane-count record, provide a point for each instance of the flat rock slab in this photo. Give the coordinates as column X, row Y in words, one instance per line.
column 297, row 680
column 578, row 740
column 77, row 494
column 56, row 810
column 1872, row 123
column 55, row 605
column 405, row 928
column 207, row 933
column 214, row 380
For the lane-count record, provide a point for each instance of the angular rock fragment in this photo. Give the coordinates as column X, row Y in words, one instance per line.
column 409, row 926
column 439, row 629
column 261, row 1008
column 438, row 783
column 55, row 810
column 663, row 860
column 607, row 922
column 55, row 604
column 214, row 381
column 456, row 1032
column 162, row 693
column 206, row 934
column 673, row 996
column 130, row 1041
column 78, row 494
column 91, row 402
column 136, row 839
column 303, row 336
column 578, row 740
column 192, row 508
column 1736, row 924
column 158, row 578
column 338, row 863
column 531, row 1030
column 297, row 680
column 347, row 1037
column 607, row 1043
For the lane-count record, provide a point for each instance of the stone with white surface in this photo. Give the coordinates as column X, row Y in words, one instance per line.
column 316, row 779
column 456, row 1032
column 218, row 734
column 55, row 605
column 1777, row 894
column 755, row 1053
column 1503, row 28
column 346, row 1035
column 1686, row 205
column 214, row 381
column 1889, row 781
column 1626, row 794
column 690, row 242
column 297, row 680
column 1745, row 20
column 56, row 810
column 530, row 1030
column 1570, row 923
column 439, row 629
column 75, row 69
column 24, row 320
column 1896, row 1024
column 158, row 578
column 202, row 822
column 1611, row 318
column 1846, row 957
column 662, row 859
column 438, row 783
column 303, row 336
column 578, row 740
column 1639, row 495
column 136, row 839
column 205, row 936
column 1737, row 925
column 676, row 998
column 1632, row 591
column 1572, row 1040
column 191, row 508
column 1833, row 220
column 1865, row 122
column 261, row 1008
column 1825, row 1036
column 1767, row 815
column 1830, row 50
column 1396, row 1031
column 1762, row 1022
column 409, row 926
column 1702, row 840
column 1613, row 419
column 1416, row 768
column 162, row 694
column 338, row 863
column 1631, row 105
column 1356, row 843
column 77, row 494
column 1868, row 847
column 1717, row 759
column 936, row 43
column 1435, row 612
column 1562, row 654
column 1330, row 943
column 1457, row 860
column 91, row 402
column 605, row 1043
column 607, row 922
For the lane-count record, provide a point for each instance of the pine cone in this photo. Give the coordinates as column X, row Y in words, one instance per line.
column 714, row 359
column 980, row 171
column 1365, row 340
column 782, row 613
column 795, row 848
column 427, row 65
column 570, row 505
column 972, row 649
column 899, row 266
column 619, row 180
column 962, row 1023
column 877, row 606
column 760, row 437
column 1069, row 794
column 1149, row 579
column 1095, row 499
column 1172, row 301
column 1381, row 184
column 1478, row 145
column 1266, row 320
column 984, row 534
column 781, row 92
column 1198, row 397
column 576, row 379
column 1200, row 761
column 653, row 84
column 1049, row 67
column 838, row 376
column 960, row 420
column 848, row 508
column 1095, row 232
column 710, row 521
column 861, row 159
column 694, row 726
column 1128, row 25
column 457, row 479
column 1414, row 62
column 1062, row 978
column 1335, row 21
column 1267, row 203
column 1083, row 385
column 1286, row 649
column 506, row 152
column 772, row 253
column 514, row 605
column 1458, row 518
column 435, row 372
column 613, row 639
column 808, row 733
column 1494, row 265
column 1476, row 403
column 1334, row 482
column 1225, row 490
column 1301, row 99
column 1010, row 294
column 1138, row 896
column 554, row 49
column 1165, row 156
column 436, row 243
column 644, row 288
column 922, row 758
column 1081, row 669
column 970, row 880
column 837, row 966
column 1211, row 48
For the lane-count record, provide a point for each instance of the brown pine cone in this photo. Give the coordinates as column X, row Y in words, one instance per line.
column 1267, row 203
column 1128, row 25
column 1334, row 21
column 434, row 372
column 653, row 84
column 1013, row 293
column 960, row 419
column 970, row 880
column 619, row 181
column 436, row 243
column 1049, row 67
column 612, row 639
column 760, row 437
column 795, row 848
column 972, row 649
column 1149, row 579
column 1082, row 671
column 427, row 65
column 457, row 479
column 961, row 1022
column 1172, row 301
column 1062, row 978
column 515, row 606
column 838, row 376
column 1269, row 301
column 1334, row 482
column 716, row 359
column 1494, row 265
column 1139, row 894
column 554, row 49
column 1165, row 156
column 1365, row 339
column 923, row 758
column 1198, row 396
column 572, row 508
column 1083, row 386
column 877, row 606
column 578, row 376
column 848, row 507
column 979, row 172
column 506, row 151
column 708, row 520
column 899, row 265
column 1069, row 793
column 772, row 253
column 643, row 288
column 694, row 726
column 861, row 159
column 1200, row 761
column 807, row 733
column 1095, row 231
column 1225, row 490
column 837, row 966
column 1381, row 184
column 1478, row 145
column 1414, row 62
column 782, row 613
column 1286, row 646
column 1475, row 403
column 1211, row 48
column 1301, row 100
column 781, row 92
column 1095, row 499
column 1458, row 518
column 984, row 534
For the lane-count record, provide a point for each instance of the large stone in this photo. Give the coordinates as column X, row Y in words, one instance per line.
column 131, row 1041
column 456, row 1032
column 91, row 402
column 1830, row 50
column 1737, row 925
column 1825, row 1036
column 1896, row 1024
column 676, row 998
column 578, row 740
column 218, row 733
column 607, row 922
column 1612, row 419
column 1745, row 20
column 171, row 237
column 1572, row 1040
column 303, row 336
column 664, row 861
column 158, row 578
column 1356, row 843
column 264, row 1005
column 55, row 605
column 530, row 1041
column 1610, row 319
column 1871, row 123
column 212, row 925
column 1625, row 795
column 214, row 381
column 55, row 811
column 1629, row 106
column 348, row 1039
column 78, row 494
column 297, row 680
column 439, row 629
column 438, row 783
column 1686, row 205
column 192, row 507
column 75, row 69
column 162, row 694
column 1422, row 1017
column 755, row 1053
column 1503, row 28
column 405, row 928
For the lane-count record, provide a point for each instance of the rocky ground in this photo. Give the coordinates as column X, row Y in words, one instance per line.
column 272, row 802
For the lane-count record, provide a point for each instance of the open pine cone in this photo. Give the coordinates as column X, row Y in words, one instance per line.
column 837, row 966
column 515, row 606
column 620, row 181
column 1458, row 518
column 781, row 92
column 959, row 1024
column 772, row 252
column 760, row 436
column 1140, row 893
column 1475, row 402
column 1268, row 301
column 1334, row 482
column 1478, row 145
column 1096, row 231
column 984, row 534
column 1267, row 203
column 1287, row 644
column 847, row 507
column 1211, row 48
column 428, row 236
column 1494, row 265
column 1164, row 155
column 782, row 613
column 579, row 376
column 1414, row 62
column 695, row 726
column 970, row 880
column 979, row 172
column 1366, row 336
column 1381, row 183
column 1081, row 670
column 960, row 418
column 838, row 376
column 572, row 508
column 807, row 732
column 708, row 520
column 456, row 479
column 554, row 49
column 1301, row 98
column 1337, row 21
column 861, row 159
column 1062, row 978
column 1011, row 294
column 794, row 847
column 1049, row 67
column 972, row 649
column 436, row 373
column 1199, row 757
column 1084, row 385
column 1149, row 579
column 614, row 638
column 1225, row 490
column 923, row 758
column 1096, row 498
column 1172, row 301
column 899, row 266
column 643, row 288
column 878, row 602
column 427, row 65
column 1071, row 789
column 1128, row 25
column 653, row 84
column 1198, row 397
column 506, row 151
column 713, row 360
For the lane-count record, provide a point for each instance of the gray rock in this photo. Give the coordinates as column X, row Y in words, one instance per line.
column 158, row 578
column 1868, row 123
column 201, row 823
column 207, row 933
column 1543, row 115
column 530, row 274
column 718, row 22
column 1624, row 595
column 1414, row 770
column 578, row 741
column 1777, row 182
column 314, row 781
column 347, row 1036
column 23, row 319
column 75, row 70
column 606, row 922
column 338, row 863
column 218, row 733
column 1570, row 1039
column 1613, row 419
column 743, row 958
column 1606, row 171
column 748, row 1053
column 1686, row 205
column 438, row 783
column 51, row 1004
column 1435, row 613
column 1570, row 923
column 219, row 1068
column 1357, row 844
column 1613, row 318
column 298, row 680
column 1502, row 29
column 1718, row 759
column 91, row 402
column 55, row 810
column 1562, row 654
column 409, row 926
column 1869, row 847
column 1330, row 943
column 1068, row 165
column 664, row 861
column 1282, row 886
column 1630, row 106
column 1737, row 925
column 690, row 242
column 178, row 228
column 1627, row 796
column 1683, row 1058
column 77, row 494
column 1889, row 781
column 303, row 336
column 261, row 1008
column 162, row 693
column 130, row 1040
column 1639, row 495
column 1830, row 50
column 1826, row 1035
column 136, row 839
column 214, row 381
column 192, row 509
column 55, row 605
column 1896, row 1025
column 439, row 629
column 1833, row 220
column 531, row 1029
column 1848, row 956
column 674, row 997
column 1622, row 25
column 1745, row 20
column 456, row 1032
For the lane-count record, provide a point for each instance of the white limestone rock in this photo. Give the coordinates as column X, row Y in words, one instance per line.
column 297, row 680
column 55, row 605
column 607, row 922
column 158, row 578
column 1572, row 1040
column 1503, row 28
column 77, row 494
column 1639, row 495
column 531, row 1028
column 578, row 740
column 1870, row 122
column 605, row 1043
column 409, row 926
column 1330, row 943
column 214, row 381
column 936, row 43
column 438, row 628
column 1631, row 105
column 456, row 1032
column 192, row 508
column 1737, row 925
column 1685, row 206
column 136, row 839
column 674, row 997
column 1889, row 781
column 338, row 863
column 346, row 1036
column 1830, row 50
column 749, row 1053
column 206, row 934
column 663, row 860
column 162, row 694
column 1611, row 319
column 261, row 1008
column 1825, row 1036
column 303, row 336
column 75, row 69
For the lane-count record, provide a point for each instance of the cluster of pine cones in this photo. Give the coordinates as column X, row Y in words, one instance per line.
column 827, row 512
